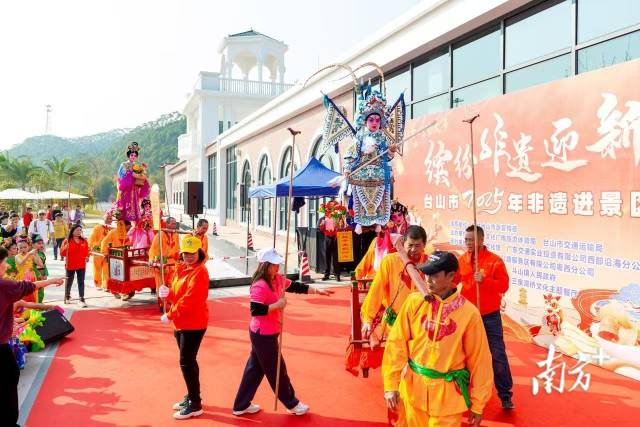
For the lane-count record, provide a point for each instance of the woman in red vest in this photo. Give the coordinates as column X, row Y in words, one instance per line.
column 76, row 251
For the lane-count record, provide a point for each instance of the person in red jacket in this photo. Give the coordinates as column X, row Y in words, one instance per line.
column 491, row 280
column 76, row 251
column 27, row 217
column 189, row 314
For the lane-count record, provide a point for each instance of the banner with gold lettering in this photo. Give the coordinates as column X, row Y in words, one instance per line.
column 558, row 195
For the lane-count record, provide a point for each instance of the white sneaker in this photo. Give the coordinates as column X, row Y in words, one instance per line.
column 251, row 409
column 299, row 409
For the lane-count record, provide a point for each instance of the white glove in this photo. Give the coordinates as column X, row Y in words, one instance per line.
column 163, row 292
column 164, row 319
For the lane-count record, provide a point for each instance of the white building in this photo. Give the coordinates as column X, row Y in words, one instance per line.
column 251, row 74
column 443, row 53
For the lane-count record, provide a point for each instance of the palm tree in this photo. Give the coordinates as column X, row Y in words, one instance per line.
column 19, row 171
column 58, row 168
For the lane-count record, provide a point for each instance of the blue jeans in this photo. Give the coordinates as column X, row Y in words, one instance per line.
column 501, row 371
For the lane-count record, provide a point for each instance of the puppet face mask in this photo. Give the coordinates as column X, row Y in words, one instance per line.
column 373, row 122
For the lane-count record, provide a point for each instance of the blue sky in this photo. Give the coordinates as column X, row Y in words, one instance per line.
column 119, row 63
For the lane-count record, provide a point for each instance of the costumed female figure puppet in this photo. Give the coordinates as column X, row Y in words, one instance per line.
column 142, row 234
column 377, row 135
column 133, row 185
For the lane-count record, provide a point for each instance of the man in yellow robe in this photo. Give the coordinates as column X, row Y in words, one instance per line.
column 201, row 233
column 391, row 285
column 170, row 252
column 95, row 245
column 115, row 238
column 437, row 363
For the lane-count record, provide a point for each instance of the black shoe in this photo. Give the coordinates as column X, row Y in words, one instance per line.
column 153, row 291
column 188, row 412
column 337, row 278
column 507, row 404
column 181, row 405
column 325, row 277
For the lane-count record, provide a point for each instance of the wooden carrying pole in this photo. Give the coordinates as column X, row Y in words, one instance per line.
column 286, row 259
column 475, row 213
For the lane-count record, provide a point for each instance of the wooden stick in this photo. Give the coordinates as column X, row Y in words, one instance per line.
column 475, row 213
column 286, row 259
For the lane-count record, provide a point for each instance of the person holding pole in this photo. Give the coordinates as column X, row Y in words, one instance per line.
column 266, row 307
column 201, row 233
column 188, row 312
column 165, row 252
column 436, row 363
column 486, row 269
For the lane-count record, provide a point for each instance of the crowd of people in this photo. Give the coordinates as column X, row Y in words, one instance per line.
column 432, row 317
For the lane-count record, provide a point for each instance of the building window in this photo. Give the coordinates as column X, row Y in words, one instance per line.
column 264, row 205
column 431, row 105
column 597, row 17
column 537, row 32
column 245, row 202
column 542, row 72
column 477, row 58
column 431, row 76
column 621, row 49
column 398, row 83
column 285, row 168
column 477, row 92
column 232, row 180
column 213, row 181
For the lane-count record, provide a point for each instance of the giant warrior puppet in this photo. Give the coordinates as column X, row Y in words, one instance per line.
column 377, row 132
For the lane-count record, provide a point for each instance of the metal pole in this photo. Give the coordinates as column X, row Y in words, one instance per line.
column 475, row 213
column 247, row 201
column 286, row 259
column 275, row 218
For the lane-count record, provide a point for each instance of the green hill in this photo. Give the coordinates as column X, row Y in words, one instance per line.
column 96, row 157
column 158, row 141
column 42, row 147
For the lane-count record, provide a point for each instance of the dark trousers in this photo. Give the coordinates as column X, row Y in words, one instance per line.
column 9, row 376
column 263, row 361
column 56, row 245
column 189, row 344
column 331, row 255
column 501, row 371
column 69, row 284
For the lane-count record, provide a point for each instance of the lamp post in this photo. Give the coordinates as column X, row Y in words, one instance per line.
column 69, row 174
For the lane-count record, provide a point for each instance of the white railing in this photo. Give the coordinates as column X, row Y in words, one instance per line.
column 253, row 87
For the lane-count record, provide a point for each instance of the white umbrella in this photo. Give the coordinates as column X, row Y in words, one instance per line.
column 16, row 194
column 52, row 194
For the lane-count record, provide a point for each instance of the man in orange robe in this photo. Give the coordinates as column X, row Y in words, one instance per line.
column 98, row 234
column 116, row 238
column 170, row 253
column 437, row 363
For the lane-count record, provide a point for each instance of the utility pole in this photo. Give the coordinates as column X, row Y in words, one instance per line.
column 48, row 109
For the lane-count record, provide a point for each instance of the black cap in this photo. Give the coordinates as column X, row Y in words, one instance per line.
column 440, row 261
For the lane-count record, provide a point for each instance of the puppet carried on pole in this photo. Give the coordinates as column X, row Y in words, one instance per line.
column 377, row 132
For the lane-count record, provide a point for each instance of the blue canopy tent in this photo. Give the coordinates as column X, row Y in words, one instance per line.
column 311, row 180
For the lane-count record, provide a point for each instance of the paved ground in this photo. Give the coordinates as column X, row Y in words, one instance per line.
column 37, row 363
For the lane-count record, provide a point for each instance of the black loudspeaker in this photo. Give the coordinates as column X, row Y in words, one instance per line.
column 55, row 327
column 193, row 194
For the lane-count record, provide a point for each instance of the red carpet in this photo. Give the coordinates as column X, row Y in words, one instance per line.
column 120, row 368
